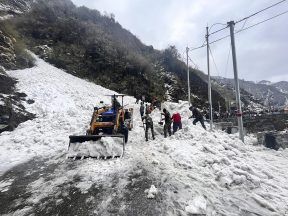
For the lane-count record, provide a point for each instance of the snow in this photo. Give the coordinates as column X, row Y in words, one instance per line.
column 151, row 192
column 105, row 147
column 196, row 171
column 197, row 206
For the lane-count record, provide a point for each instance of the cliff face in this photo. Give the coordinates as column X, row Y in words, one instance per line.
column 7, row 51
column 10, row 8
column 12, row 48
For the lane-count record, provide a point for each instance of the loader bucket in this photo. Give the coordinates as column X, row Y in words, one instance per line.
column 96, row 146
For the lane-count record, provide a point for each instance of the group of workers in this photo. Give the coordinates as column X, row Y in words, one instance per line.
column 168, row 120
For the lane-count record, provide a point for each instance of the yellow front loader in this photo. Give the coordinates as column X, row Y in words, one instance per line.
column 107, row 134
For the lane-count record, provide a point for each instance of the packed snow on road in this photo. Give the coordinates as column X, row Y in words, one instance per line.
column 192, row 172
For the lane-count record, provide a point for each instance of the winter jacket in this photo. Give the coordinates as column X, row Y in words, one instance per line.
column 142, row 108
column 167, row 118
column 148, row 121
column 176, row 117
column 196, row 113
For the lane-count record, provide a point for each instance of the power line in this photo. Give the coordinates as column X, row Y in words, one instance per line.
column 262, row 21
column 243, row 25
column 264, row 9
column 195, row 48
column 226, row 67
column 214, row 61
column 219, row 39
column 204, row 45
column 226, row 26
column 242, row 29
column 196, row 66
column 245, row 18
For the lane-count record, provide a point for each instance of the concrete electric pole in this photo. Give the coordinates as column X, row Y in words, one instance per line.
column 209, row 80
column 188, row 78
column 238, row 100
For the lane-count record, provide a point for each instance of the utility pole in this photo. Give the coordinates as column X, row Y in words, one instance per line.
column 209, row 80
column 188, row 79
column 238, row 100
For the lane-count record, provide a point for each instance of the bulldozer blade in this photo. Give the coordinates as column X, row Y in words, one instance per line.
column 80, row 139
column 96, row 146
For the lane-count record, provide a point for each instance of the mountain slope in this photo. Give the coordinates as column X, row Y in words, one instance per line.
column 10, row 8
column 282, row 86
column 267, row 94
column 94, row 46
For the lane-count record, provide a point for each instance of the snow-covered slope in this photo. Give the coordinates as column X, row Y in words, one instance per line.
column 63, row 105
column 193, row 171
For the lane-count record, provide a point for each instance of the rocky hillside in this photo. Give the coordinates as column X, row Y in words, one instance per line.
column 12, row 111
column 96, row 47
column 265, row 92
column 282, row 86
column 10, row 8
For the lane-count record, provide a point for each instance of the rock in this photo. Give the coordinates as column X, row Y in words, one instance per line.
column 274, row 140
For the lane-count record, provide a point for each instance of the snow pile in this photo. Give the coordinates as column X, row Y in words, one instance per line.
column 104, row 147
column 63, row 106
column 197, row 206
column 151, row 192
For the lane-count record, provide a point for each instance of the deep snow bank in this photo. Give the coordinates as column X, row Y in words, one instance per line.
column 63, row 106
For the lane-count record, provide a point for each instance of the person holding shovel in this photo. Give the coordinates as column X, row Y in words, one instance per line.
column 147, row 120
column 168, row 121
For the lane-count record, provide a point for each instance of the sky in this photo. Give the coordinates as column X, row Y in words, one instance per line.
column 260, row 50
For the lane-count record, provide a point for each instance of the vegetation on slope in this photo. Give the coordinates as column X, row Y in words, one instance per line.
column 94, row 46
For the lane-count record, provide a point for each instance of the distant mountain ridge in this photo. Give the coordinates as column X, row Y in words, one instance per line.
column 282, row 86
column 265, row 82
column 270, row 94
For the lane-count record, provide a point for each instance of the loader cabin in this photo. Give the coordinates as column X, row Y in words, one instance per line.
column 108, row 119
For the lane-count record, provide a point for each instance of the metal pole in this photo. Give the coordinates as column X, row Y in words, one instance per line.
column 188, row 79
column 238, row 100
column 209, row 81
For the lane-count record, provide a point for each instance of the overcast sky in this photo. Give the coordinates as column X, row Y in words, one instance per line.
column 261, row 50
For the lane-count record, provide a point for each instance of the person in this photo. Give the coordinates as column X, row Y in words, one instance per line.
column 177, row 124
column 167, row 125
column 115, row 103
column 154, row 102
column 149, row 125
column 142, row 109
column 198, row 116
column 147, row 109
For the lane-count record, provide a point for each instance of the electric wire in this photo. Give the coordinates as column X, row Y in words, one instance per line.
column 242, row 29
column 219, row 39
column 243, row 25
column 214, row 61
column 195, row 48
column 245, row 18
column 260, row 11
column 226, row 26
column 195, row 65
column 262, row 21
column 227, row 62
